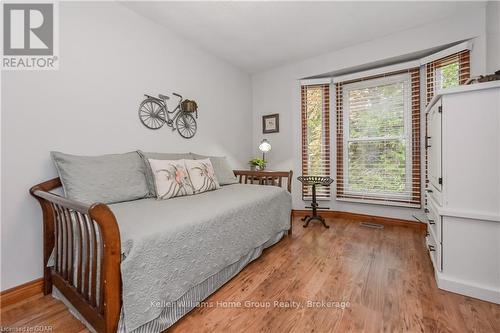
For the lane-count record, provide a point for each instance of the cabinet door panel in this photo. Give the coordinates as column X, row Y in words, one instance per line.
column 434, row 146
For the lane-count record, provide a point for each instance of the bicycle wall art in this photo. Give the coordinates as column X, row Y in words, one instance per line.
column 154, row 113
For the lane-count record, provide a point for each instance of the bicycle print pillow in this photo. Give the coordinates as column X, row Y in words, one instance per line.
column 202, row 175
column 171, row 178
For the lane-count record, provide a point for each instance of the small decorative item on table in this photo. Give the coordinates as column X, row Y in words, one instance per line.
column 257, row 164
column 271, row 123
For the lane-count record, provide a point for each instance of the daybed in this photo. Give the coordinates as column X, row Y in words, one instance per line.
column 139, row 266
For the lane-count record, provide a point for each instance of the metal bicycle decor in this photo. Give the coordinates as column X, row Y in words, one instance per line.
column 153, row 113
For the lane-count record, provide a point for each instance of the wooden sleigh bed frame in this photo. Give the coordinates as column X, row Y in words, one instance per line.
column 99, row 239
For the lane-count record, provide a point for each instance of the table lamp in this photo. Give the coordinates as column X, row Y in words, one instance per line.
column 264, row 147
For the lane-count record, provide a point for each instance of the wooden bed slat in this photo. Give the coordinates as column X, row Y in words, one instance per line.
column 86, row 272
column 100, row 304
column 69, row 245
column 64, row 244
column 80, row 252
column 57, row 256
column 94, row 264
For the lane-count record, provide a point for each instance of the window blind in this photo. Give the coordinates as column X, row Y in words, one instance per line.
column 447, row 72
column 378, row 139
column 315, row 118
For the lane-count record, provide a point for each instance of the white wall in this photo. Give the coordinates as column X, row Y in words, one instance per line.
column 109, row 57
column 493, row 36
column 278, row 91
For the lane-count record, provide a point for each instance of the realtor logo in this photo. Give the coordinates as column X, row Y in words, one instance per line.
column 29, row 36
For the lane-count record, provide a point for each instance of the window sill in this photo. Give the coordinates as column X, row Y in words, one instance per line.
column 380, row 202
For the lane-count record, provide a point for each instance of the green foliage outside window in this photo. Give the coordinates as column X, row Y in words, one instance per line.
column 376, row 111
column 377, row 166
column 376, row 139
column 448, row 75
column 315, row 135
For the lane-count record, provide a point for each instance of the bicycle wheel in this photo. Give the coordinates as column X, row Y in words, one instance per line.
column 186, row 125
column 152, row 113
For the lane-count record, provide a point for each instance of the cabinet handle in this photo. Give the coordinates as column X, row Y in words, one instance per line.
column 432, row 248
column 426, row 210
column 428, row 190
column 427, row 145
column 431, row 222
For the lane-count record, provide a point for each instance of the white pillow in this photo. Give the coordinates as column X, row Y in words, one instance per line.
column 202, row 175
column 171, row 178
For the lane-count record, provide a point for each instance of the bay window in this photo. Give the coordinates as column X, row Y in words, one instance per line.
column 378, row 119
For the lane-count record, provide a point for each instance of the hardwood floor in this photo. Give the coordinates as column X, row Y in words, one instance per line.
column 384, row 276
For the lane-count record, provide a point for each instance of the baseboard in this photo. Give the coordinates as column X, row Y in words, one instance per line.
column 21, row 292
column 363, row 217
column 465, row 288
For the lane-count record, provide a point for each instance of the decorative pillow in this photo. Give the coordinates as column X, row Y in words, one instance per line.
column 106, row 178
column 171, row 178
column 223, row 170
column 202, row 175
column 159, row 156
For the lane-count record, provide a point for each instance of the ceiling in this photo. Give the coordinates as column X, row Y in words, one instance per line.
column 256, row 36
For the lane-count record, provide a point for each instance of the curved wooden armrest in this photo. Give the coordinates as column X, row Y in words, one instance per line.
column 61, row 218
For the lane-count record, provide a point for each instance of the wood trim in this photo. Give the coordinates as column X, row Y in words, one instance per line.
column 265, row 177
column 21, row 292
column 363, row 217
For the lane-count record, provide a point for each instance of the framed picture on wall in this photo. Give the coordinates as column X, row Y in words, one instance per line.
column 271, row 123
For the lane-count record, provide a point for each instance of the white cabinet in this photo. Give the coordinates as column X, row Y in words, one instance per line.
column 463, row 189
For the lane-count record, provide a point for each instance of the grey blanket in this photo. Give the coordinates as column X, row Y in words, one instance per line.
column 172, row 245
